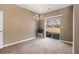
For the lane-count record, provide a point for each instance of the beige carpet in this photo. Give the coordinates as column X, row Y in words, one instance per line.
column 39, row 46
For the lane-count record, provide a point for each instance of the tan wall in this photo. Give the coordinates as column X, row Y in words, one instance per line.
column 76, row 25
column 18, row 24
column 66, row 21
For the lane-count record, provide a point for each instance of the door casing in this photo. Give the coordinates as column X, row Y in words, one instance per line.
column 45, row 21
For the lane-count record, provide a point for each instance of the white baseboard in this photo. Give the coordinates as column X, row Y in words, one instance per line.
column 67, row 41
column 19, row 42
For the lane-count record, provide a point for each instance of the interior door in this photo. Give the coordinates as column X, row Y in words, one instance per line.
column 1, row 29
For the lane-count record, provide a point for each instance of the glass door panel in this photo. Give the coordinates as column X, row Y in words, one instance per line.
column 53, row 27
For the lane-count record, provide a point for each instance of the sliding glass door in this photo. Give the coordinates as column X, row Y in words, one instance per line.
column 53, row 27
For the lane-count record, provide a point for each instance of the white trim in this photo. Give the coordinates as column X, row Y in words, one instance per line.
column 53, row 16
column 67, row 41
column 19, row 42
column 73, row 47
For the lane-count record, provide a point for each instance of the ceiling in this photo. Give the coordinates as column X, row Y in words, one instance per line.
column 43, row 8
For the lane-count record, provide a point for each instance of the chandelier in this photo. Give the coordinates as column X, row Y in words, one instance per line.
column 38, row 16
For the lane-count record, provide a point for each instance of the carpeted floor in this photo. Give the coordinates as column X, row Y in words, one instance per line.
column 39, row 46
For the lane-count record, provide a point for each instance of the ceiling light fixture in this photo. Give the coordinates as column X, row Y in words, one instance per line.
column 38, row 16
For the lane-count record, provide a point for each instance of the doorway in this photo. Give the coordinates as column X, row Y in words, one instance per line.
column 53, row 27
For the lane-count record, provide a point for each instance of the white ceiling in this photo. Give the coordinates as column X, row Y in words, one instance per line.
column 43, row 8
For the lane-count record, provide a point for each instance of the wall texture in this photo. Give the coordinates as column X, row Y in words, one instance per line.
column 18, row 24
column 66, row 22
column 76, row 29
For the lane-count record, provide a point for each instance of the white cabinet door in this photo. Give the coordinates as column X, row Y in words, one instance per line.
column 1, row 29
